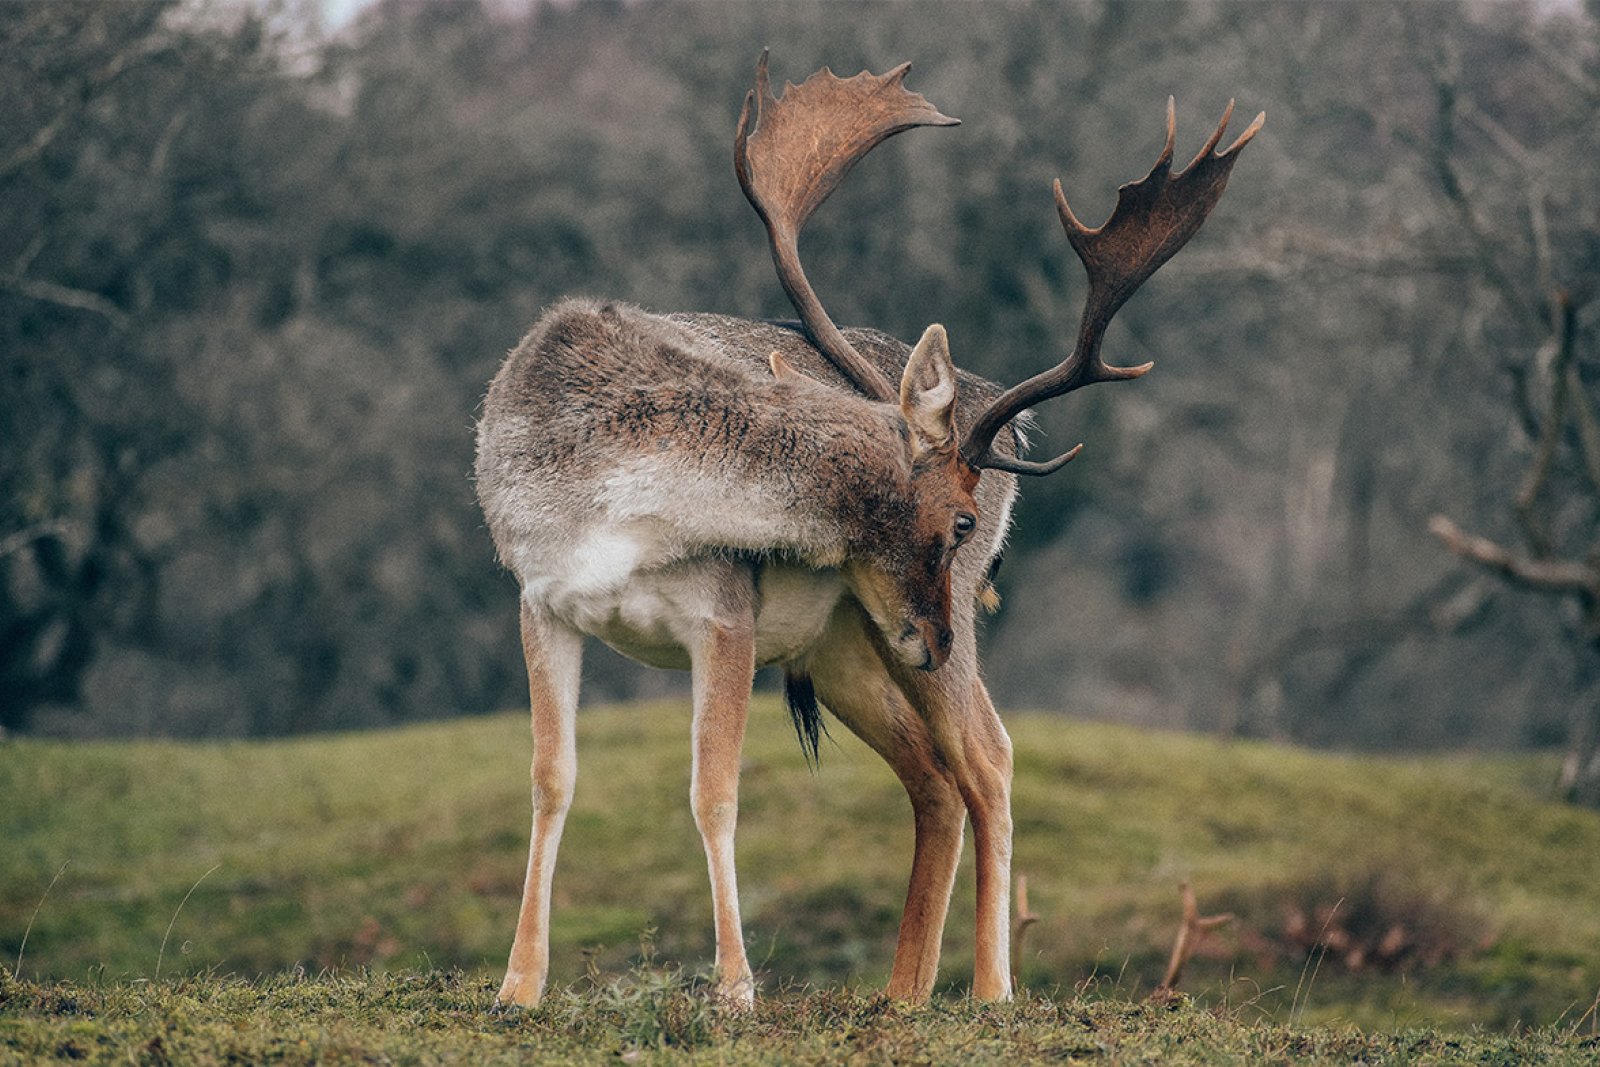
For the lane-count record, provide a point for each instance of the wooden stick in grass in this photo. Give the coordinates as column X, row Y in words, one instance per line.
column 1194, row 929
column 1019, row 930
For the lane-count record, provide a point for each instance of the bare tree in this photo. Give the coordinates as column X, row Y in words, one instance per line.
column 1538, row 259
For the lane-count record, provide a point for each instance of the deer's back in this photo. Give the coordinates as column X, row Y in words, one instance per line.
column 621, row 454
column 606, row 416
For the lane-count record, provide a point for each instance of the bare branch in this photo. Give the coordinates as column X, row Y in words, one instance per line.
column 1503, row 138
column 147, row 42
column 1555, row 419
column 65, row 296
column 1486, row 248
column 1588, row 427
column 163, row 149
column 1565, row 66
column 1544, row 575
column 1539, row 223
column 35, row 146
column 29, row 254
column 23, row 538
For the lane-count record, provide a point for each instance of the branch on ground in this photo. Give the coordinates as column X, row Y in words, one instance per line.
column 1019, row 929
column 1193, row 931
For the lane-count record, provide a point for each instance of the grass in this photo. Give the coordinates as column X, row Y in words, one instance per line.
column 651, row 1016
column 390, row 864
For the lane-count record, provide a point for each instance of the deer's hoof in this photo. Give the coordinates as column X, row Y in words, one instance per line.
column 517, row 991
column 737, row 995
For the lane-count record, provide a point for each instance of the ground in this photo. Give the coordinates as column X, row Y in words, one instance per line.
column 353, row 896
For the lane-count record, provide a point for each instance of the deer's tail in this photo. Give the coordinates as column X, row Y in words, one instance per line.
column 801, row 697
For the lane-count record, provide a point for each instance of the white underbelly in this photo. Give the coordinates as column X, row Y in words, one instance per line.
column 795, row 605
column 650, row 609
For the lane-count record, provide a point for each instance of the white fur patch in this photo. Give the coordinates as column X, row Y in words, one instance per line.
column 638, row 564
column 604, row 560
column 796, row 603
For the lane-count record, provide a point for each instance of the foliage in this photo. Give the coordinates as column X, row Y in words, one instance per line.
column 406, row 849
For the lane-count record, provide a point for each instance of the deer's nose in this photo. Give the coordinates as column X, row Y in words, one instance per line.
column 936, row 640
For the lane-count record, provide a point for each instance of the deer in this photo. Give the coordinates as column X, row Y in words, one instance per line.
column 714, row 494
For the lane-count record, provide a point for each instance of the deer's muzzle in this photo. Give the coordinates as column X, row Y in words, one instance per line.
column 924, row 645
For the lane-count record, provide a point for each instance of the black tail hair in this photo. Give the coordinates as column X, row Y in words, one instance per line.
column 801, row 697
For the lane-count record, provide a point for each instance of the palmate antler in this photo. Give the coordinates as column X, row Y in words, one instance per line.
column 791, row 152
column 1154, row 217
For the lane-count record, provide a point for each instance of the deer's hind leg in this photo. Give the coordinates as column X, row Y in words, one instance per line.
column 555, row 656
column 722, row 654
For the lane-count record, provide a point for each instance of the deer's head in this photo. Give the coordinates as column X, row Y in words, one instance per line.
column 790, row 153
column 928, row 506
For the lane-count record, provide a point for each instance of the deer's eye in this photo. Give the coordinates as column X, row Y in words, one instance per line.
column 965, row 524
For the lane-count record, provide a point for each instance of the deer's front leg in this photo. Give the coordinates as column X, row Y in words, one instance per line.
column 973, row 744
column 554, row 655
column 853, row 683
column 723, row 658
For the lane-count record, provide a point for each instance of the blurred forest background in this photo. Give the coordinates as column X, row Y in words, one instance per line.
column 255, row 275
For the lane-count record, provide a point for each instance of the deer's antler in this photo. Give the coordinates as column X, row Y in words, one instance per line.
column 1154, row 217
column 791, row 152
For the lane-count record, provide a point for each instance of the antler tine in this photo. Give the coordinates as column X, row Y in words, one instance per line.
column 791, row 152
column 1154, row 217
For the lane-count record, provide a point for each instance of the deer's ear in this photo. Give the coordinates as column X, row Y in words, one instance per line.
column 928, row 392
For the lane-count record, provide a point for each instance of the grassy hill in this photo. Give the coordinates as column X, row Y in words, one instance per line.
column 1474, row 900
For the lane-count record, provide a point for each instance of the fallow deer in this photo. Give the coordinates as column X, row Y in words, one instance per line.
column 713, row 494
